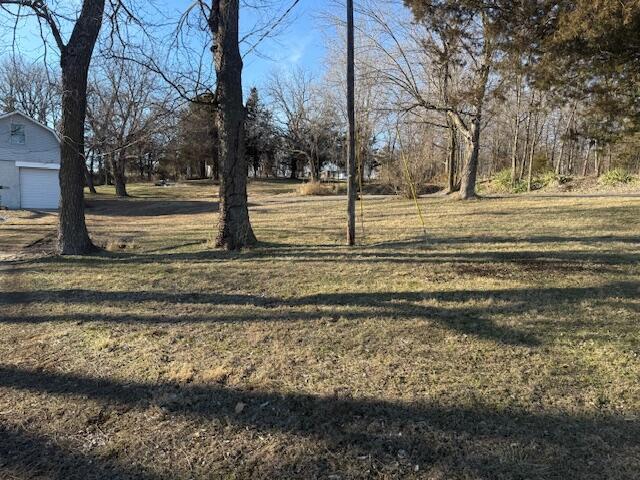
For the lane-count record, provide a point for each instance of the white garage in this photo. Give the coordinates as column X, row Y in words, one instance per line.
column 39, row 188
column 29, row 163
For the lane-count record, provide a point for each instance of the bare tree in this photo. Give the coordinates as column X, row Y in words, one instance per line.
column 75, row 58
column 29, row 88
column 234, row 228
column 126, row 107
column 292, row 95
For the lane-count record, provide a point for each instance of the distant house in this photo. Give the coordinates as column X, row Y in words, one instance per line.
column 332, row 171
column 29, row 163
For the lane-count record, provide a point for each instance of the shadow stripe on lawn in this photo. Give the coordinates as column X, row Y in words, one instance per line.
column 569, row 445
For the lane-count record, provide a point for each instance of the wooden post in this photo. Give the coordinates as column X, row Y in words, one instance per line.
column 351, row 147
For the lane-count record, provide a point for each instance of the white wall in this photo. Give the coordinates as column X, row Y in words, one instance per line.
column 41, row 145
column 10, row 183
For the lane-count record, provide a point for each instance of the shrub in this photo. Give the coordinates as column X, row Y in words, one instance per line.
column 616, row 176
column 520, row 186
column 502, row 180
column 551, row 179
column 548, row 179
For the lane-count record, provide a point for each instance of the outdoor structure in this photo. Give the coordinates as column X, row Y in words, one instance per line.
column 331, row 171
column 29, row 163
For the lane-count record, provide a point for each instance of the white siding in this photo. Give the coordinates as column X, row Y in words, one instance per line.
column 10, row 183
column 40, row 145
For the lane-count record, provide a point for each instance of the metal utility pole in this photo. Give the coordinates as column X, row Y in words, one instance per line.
column 351, row 148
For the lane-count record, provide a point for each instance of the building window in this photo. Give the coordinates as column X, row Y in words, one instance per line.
column 17, row 134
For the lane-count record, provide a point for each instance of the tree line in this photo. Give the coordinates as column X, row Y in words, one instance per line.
column 446, row 90
column 135, row 127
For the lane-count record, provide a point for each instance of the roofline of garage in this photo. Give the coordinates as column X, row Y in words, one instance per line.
column 33, row 120
column 43, row 166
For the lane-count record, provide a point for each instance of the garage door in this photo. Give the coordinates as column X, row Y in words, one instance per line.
column 39, row 188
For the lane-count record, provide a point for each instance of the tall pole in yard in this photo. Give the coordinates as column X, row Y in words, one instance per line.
column 351, row 148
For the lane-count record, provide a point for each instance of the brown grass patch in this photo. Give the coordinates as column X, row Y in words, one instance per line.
column 321, row 189
column 215, row 375
column 184, row 373
column 116, row 244
column 503, row 345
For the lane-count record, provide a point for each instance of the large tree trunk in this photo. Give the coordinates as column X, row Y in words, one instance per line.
column 452, row 163
column 73, row 238
column 470, row 167
column 234, row 227
column 119, row 175
column 315, row 169
column 471, row 133
column 75, row 57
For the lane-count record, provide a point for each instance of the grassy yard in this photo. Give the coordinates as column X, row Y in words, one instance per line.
column 504, row 345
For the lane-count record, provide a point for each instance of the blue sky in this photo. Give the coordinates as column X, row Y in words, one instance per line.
column 299, row 44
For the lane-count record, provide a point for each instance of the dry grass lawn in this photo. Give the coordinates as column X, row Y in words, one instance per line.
column 504, row 345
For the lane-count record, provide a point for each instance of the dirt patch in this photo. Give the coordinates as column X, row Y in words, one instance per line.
column 25, row 233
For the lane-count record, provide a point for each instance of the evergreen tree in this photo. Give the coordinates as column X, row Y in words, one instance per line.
column 260, row 134
column 590, row 51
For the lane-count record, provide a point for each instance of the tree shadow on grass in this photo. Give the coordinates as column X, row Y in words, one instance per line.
column 29, row 455
column 556, row 260
column 477, row 441
column 400, row 306
column 417, row 242
column 149, row 208
column 470, row 312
